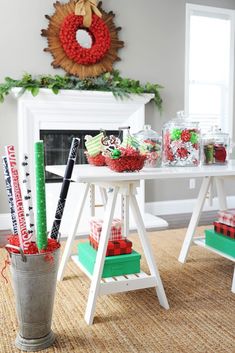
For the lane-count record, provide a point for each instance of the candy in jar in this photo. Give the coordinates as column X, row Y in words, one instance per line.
column 215, row 146
column 181, row 142
column 150, row 144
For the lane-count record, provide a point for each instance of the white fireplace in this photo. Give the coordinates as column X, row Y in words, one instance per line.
column 74, row 111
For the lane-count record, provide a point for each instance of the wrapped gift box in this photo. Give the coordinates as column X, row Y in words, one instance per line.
column 224, row 229
column 227, row 217
column 113, row 265
column 96, row 228
column 219, row 242
column 114, row 248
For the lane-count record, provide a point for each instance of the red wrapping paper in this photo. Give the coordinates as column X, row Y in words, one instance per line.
column 224, row 229
column 118, row 247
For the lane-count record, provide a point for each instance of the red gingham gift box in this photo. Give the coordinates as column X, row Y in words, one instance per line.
column 96, row 228
column 118, row 247
column 224, row 229
column 227, row 217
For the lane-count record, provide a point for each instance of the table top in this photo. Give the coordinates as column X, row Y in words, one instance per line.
column 88, row 173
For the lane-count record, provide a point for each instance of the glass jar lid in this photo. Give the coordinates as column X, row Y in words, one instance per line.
column 147, row 133
column 181, row 121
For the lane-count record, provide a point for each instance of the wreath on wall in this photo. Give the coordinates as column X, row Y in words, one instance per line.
column 67, row 51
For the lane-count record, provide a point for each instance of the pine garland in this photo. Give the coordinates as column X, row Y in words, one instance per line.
column 108, row 82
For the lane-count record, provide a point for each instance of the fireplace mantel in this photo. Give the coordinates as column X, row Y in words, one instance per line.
column 76, row 110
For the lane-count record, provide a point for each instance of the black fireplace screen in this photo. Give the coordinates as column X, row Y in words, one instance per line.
column 57, row 144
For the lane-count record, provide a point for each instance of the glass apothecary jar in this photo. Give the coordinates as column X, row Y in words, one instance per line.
column 215, row 147
column 150, row 145
column 181, row 142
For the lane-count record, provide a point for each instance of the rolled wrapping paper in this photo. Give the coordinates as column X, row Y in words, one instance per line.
column 27, row 192
column 24, row 237
column 41, row 228
column 10, row 194
column 65, row 188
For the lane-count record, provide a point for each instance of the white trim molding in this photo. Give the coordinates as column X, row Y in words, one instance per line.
column 183, row 206
column 158, row 208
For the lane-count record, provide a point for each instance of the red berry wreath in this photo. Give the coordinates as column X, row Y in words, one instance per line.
column 100, row 37
column 62, row 40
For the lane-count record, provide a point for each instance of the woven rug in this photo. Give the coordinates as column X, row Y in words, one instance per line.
column 201, row 318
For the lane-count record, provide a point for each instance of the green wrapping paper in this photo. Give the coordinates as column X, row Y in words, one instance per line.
column 41, row 236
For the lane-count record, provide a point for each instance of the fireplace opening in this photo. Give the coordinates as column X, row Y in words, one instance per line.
column 57, row 145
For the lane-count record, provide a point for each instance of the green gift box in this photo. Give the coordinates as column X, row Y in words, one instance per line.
column 113, row 266
column 220, row 242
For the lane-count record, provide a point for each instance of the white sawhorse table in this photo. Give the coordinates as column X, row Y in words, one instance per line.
column 126, row 184
column 101, row 286
column 190, row 238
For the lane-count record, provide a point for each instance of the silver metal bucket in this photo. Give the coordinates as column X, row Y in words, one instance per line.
column 34, row 283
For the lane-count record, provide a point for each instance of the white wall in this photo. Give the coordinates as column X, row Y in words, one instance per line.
column 153, row 32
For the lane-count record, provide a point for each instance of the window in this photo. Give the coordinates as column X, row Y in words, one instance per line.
column 209, row 66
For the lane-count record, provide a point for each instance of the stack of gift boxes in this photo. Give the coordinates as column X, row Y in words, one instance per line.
column 222, row 237
column 120, row 258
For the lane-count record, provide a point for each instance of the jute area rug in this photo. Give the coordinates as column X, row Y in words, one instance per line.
column 201, row 316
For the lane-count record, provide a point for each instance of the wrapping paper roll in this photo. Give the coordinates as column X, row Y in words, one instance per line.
column 24, row 237
column 65, row 188
column 27, row 192
column 41, row 237
column 10, row 194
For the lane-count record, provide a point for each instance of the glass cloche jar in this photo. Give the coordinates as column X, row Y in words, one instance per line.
column 181, row 142
column 215, row 146
column 150, row 145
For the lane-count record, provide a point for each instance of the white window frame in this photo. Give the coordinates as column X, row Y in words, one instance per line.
column 218, row 12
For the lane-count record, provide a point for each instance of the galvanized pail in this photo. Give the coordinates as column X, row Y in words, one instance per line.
column 34, row 284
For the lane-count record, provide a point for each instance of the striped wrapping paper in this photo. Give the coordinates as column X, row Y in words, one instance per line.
column 130, row 141
column 94, row 145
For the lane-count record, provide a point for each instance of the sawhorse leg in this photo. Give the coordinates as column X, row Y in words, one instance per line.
column 99, row 264
column 194, row 219
column 219, row 182
column 69, row 243
column 147, row 249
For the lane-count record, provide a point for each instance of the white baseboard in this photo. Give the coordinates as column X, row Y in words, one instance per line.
column 183, row 206
column 156, row 208
column 5, row 221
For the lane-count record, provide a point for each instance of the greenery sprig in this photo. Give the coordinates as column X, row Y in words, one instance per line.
column 108, row 82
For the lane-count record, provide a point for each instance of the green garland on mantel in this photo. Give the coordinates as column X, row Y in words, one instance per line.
column 108, row 82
